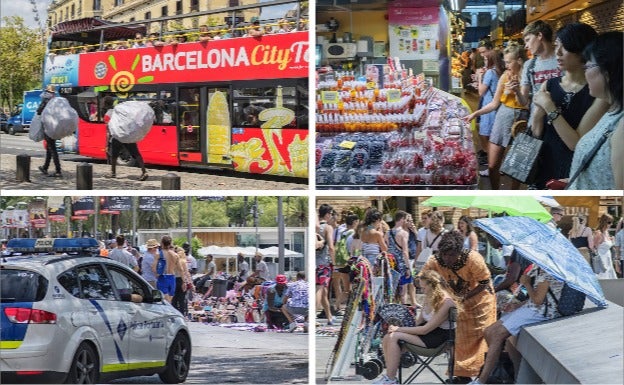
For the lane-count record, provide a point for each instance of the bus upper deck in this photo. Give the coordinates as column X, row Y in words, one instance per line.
column 239, row 103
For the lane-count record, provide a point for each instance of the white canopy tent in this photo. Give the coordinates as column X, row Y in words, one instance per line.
column 228, row 252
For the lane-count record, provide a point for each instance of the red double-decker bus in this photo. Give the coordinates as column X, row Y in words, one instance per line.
column 238, row 103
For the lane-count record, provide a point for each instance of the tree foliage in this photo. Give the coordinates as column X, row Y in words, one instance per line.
column 21, row 53
column 229, row 212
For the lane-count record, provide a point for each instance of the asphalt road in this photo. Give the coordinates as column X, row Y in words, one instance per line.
column 225, row 356
column 127, row 177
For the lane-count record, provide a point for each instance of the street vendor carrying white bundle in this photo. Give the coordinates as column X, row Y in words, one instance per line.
column 58, row 117
column 127, row 123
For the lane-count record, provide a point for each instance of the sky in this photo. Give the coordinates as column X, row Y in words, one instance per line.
column 23, row 8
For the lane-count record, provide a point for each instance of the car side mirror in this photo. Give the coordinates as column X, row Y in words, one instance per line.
column 125, row 297
column 156, row 296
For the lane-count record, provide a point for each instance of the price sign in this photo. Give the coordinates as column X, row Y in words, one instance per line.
column 430, row 66
column 393, row 96
column 329, row 96
column 347, row 145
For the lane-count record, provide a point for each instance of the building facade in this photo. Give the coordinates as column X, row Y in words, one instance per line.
column 126, row 11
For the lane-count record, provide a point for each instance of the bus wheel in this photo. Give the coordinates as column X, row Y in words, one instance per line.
column 125, row 159
column 11, row 130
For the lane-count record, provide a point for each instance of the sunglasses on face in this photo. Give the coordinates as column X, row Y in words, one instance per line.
column 587, row 66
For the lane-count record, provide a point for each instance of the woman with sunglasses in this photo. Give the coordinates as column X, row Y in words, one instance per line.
column 565, row 108
column 603, row 70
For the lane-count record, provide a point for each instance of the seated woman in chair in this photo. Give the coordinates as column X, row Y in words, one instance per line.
column 433, row 324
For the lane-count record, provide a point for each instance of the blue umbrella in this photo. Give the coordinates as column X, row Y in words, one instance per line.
column 549, row 249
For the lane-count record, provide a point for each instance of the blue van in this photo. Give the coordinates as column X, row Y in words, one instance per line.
column 20, row 118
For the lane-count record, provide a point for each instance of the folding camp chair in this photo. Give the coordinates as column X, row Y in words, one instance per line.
column 425, row 356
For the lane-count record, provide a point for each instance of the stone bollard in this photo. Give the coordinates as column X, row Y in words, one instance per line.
column 84, row 176
column 170, row 182
column 22, row 168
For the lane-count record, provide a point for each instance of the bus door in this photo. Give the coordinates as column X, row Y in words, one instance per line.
column 218, row 127
column 189, row 128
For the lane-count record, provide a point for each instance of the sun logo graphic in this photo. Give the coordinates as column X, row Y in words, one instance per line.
column 122, row 81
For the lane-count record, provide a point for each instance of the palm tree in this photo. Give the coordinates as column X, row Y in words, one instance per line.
column 162, row 219
column 296, row 213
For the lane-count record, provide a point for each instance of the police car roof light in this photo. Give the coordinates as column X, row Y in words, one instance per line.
column 57, row 245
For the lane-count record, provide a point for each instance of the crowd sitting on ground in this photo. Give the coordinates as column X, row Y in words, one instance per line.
column 249, row 297
column 203, row 34
column 495, row 299
column 569, row 94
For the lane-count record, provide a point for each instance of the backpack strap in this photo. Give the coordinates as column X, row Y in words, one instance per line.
column 394, row 240
column 530, row 73
column 546, row 297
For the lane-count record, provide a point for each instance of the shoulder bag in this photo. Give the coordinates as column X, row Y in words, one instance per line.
column 521, row 159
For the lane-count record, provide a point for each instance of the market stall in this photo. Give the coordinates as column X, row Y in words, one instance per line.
column 391, row 129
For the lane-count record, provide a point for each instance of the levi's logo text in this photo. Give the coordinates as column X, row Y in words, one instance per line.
column 542, row 76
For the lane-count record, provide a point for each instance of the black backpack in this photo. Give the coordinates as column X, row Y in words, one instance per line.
column 570, row 302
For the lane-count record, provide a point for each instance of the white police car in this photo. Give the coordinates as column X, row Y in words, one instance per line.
column 79, row 318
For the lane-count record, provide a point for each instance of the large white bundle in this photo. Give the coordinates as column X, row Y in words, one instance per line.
column 59, row 119
column 131, row 121
column 35, row 132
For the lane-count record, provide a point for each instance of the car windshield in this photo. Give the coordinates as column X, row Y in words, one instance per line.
column 22, row 286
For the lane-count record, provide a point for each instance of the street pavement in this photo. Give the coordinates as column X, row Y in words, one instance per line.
column 226, row 356
column 128, row 178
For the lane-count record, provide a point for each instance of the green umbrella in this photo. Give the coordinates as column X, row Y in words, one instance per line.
column 515, row 206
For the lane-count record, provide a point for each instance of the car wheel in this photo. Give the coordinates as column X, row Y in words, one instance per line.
column 11, row 130
column 178, row 360
column 85, row 367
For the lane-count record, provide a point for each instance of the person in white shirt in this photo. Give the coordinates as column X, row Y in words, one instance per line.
column 619, row 248
column 425, row 219
column 262, row 269
column 148, row 260
column 211, row 267
column 243, row 267
column 120, row 254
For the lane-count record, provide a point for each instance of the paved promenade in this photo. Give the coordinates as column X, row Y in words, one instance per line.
column 128, row 178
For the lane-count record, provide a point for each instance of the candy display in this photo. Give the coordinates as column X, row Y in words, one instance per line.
column 418, row 139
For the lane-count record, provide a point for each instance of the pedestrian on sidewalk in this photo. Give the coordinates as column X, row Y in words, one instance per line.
column 121, row 254
column 51, row 153
column 114, row 146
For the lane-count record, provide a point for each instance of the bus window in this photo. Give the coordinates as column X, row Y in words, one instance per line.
column 188, row 117
column 163, row 109
column 250, row 102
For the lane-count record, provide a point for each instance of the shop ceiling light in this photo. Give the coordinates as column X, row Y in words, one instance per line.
column 457, row 5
